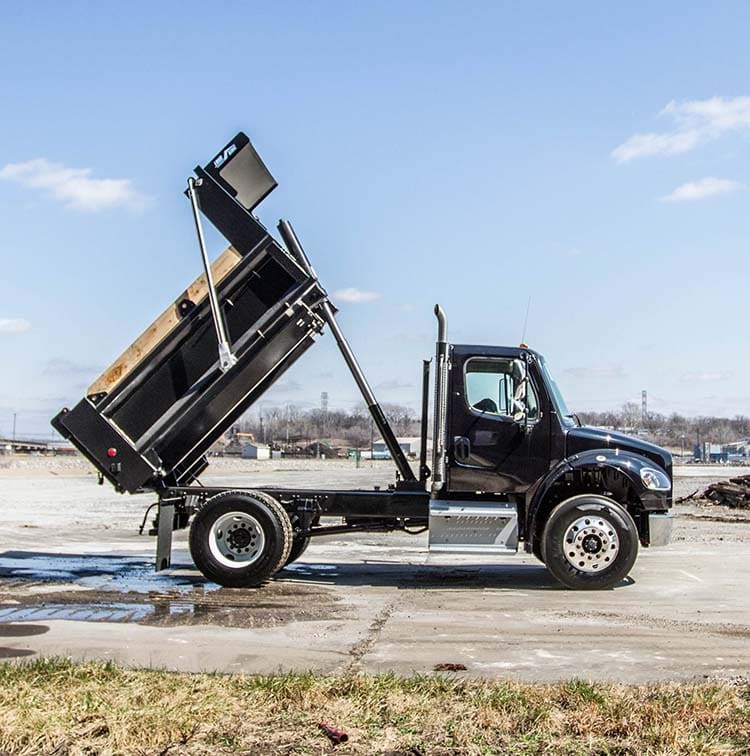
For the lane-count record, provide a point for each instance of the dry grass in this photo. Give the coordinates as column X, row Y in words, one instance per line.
column 54, row 706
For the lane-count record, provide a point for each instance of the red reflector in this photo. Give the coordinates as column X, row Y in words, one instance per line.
column 112, row 452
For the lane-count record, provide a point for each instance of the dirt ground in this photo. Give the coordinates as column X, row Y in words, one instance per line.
column 76, row 580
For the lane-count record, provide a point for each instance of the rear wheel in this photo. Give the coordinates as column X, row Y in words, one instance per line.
column 589, row 542
column 299, row 546
column 240, row 538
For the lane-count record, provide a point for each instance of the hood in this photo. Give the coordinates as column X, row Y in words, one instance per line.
column 586, row 438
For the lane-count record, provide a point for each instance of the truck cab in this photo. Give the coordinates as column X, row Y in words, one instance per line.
column 511, row 448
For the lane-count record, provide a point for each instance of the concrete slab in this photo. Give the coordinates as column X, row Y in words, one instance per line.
column 75, row 580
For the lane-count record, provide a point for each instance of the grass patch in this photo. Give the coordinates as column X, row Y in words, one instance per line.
column 53, row 705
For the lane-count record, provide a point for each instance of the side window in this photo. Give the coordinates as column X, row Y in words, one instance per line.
column 491, row 384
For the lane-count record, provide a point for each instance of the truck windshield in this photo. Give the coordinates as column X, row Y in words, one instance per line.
column 557, row 398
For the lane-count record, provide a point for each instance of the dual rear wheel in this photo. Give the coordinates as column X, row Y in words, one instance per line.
column 239, row 539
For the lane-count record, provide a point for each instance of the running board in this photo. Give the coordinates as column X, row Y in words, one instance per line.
column 471, row 527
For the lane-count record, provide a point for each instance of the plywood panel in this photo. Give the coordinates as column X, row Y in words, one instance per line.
column 163, row 325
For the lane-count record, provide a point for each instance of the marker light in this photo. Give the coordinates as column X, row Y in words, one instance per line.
column 112, row 452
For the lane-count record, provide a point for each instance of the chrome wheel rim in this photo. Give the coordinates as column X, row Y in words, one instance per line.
column 591, row 543
column 236, row 539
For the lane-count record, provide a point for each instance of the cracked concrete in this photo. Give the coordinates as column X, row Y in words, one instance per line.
column 75, row 580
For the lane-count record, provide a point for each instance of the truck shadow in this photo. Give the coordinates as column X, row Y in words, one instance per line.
column 135, row 574
column 423, row 577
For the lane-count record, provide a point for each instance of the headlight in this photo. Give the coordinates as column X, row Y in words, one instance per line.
column 656, row 480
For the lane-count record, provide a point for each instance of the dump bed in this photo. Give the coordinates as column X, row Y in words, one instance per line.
column 149, row 419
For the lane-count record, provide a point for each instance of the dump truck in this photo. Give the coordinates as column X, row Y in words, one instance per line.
column 511, row 466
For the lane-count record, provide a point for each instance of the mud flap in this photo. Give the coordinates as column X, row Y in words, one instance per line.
column 164, row 536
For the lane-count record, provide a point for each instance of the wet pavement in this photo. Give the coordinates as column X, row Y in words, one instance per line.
column 364, row 602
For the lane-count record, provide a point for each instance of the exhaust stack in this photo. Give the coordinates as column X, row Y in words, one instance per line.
column 441, row 403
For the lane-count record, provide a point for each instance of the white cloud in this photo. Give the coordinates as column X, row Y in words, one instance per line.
column 696, row 122
column 355, row 296
column 74, row 187
column 597, row 373
column 393, row 384
column 706, row 187
column 14, row 325
column 59, row 366
column 709, row 376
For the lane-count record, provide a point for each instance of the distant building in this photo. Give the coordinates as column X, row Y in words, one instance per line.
column 256, row 451
column 738, row 451
column 409, row 444
column 708, row 452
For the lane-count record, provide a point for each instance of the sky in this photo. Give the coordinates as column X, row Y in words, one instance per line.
column 591, row 159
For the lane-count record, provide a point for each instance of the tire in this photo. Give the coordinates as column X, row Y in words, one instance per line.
column 239, row 539
column 536, row 549
column 299, row 546
column 589, row 542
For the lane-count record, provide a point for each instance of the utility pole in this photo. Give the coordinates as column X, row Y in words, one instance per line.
column 14, row 425
column 644, row 408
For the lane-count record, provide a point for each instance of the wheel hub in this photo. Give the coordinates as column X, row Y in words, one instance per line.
column 239, row 538
column 591, row 543
column 236, row 539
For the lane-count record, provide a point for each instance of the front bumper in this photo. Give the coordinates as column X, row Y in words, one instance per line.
column 660, row 529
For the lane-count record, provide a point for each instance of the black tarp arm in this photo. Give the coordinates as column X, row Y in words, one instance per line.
column 376, row 411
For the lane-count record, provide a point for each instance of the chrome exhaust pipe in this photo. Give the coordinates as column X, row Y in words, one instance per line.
column 441, row 404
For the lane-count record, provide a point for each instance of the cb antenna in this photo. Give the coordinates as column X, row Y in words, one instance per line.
column 526, row 321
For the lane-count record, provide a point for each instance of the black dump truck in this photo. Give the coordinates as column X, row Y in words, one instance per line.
column 510, row 464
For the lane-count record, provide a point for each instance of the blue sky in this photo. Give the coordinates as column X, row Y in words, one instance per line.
column 594, row 157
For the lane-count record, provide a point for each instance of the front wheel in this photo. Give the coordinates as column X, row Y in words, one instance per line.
column 240, row 538
column 589, row 542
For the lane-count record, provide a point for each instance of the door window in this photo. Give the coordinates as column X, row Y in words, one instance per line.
column 491, row 383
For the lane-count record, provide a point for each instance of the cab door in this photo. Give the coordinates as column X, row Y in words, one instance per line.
column 489, row 450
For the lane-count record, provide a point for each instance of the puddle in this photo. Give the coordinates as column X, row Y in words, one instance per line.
column 94, row 588
column 124, row 574
column 308, row 570
column 270, row 606
column 81, row 612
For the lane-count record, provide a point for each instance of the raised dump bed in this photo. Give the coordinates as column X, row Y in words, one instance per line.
column 149, row 419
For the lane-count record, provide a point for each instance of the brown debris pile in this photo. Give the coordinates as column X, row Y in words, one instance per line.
column 734, row 493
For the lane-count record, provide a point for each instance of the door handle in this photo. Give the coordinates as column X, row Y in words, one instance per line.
column 461, row 448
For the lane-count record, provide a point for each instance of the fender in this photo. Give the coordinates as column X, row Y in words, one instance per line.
column 627, row 463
